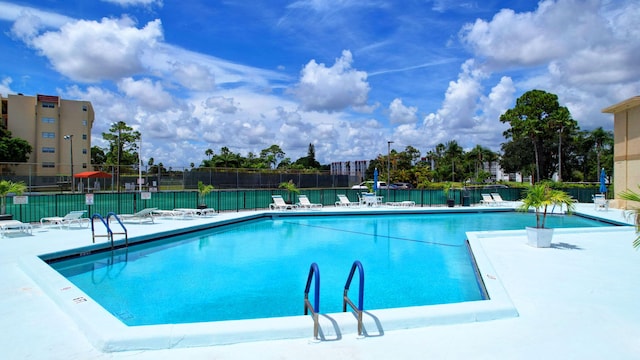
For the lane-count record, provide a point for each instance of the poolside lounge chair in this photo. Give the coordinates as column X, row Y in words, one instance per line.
column 498, row 199
column 186, row 212
column 73, row 217
column 487, row 200
column 279, row 204
column 14, row 226
column 305, row 203
column 343, row 200
column 140, row 216
column 600, row 202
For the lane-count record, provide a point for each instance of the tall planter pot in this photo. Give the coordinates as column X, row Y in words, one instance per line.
column 539, row 237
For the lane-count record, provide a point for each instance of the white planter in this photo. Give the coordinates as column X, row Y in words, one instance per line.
column 538, row 237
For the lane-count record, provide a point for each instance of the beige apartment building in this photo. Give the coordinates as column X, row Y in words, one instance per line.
column 626, row 148
column 58, row 130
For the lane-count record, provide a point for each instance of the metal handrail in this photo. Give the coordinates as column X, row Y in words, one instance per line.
column 106, row 225
column 315, row 308
column 126, row 236
column 345, row 298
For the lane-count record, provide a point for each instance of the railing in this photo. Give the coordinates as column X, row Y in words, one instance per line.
column 124, row 229
column 110, row 232
column 106, row 225
column 315, row 308
column 345, row 298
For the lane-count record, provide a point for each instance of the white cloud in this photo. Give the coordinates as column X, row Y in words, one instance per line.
column 91, row 51
column 5, row 86
column 194, row 76
column 147, row 93
column 222, row 104
column 332, row 88
column 127, row 3
column 401, row 114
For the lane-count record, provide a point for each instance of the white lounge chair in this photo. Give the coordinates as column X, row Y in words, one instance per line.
column 73, row 217
column 343, row 200
column 487, row 200
column 498, row 199
column 600, row 202
column 279, row 204
column 14, row 226
column 196, row 212
column 303, row 202
column 140, row 216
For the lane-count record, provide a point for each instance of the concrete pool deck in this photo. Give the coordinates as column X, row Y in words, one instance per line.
column 578, row 299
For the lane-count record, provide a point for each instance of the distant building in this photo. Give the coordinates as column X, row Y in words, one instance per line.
column 626, row 148
column 55, row 128
column 354, row 169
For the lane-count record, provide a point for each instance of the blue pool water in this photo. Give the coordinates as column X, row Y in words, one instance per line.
column 259, row 268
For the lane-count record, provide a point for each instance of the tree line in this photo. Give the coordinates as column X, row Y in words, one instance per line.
column 543, row 139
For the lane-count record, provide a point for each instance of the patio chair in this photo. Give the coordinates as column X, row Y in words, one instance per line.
column 305, row 203
column 14, row 226
column 343, row 200
column 140, row 216
column 487, row 200
column 73, row 217
column 279, row 204
column 498, row 199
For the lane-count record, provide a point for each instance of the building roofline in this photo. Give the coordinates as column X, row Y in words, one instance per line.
column 623, row 105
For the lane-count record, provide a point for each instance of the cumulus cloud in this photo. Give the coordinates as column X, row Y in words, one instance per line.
column 401, row 114
column 332, row 88
column 194, row 76
column 90, row 51
column 147, row 93
column 5, row 86
column 222, row 104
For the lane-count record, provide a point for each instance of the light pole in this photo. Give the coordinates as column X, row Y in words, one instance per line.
column 388, row 167
column 70, row 138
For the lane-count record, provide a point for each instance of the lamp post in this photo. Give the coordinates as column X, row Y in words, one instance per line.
column 388, row 167
column 70, row 138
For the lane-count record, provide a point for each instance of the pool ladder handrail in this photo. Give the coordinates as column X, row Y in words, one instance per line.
column 345, row 298
column 315, row 308
column 110, row 232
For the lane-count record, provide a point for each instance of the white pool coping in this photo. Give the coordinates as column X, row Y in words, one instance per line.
column 62, row 336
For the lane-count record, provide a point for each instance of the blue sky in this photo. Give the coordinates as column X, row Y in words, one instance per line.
column 345, row 75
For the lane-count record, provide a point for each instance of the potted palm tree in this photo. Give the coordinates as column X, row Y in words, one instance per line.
column 635, row 212
column 539, row 197
column 8, row 187
column 203, row 191
column 291, row 188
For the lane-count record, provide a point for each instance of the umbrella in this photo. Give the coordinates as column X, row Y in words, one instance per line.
column 603, row 180
column 375, row 180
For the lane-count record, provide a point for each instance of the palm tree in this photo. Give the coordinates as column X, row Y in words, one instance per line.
column 635, row 212
column 7, row 187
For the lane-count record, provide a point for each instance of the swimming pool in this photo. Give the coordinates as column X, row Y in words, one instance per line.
column 258, row 269
column 219, row 332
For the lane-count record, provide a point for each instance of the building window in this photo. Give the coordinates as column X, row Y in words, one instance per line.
column 84, row 122
column 48, row 120
column 48, row 135
column 84, row 151
column 84, row 136
column 84, row 107
column 84, row 165
column 49, row 105
column 48, row 164
column 48, row 150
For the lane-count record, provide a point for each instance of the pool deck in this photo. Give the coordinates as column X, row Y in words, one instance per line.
column 579, row 299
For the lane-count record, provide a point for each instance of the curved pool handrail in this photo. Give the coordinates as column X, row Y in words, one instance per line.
column 124, row 229
column 315, row 308
column 345, row 296
column 106, row 225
